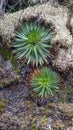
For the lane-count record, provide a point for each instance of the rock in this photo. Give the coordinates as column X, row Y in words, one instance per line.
column 67, row 109
column 57, row 16
column 8, row 24
column 58, row 125
column 70, row 128
column 11, row 122
column 7, row 74
column 64, row 60
column 39, row 120
column 62, row 114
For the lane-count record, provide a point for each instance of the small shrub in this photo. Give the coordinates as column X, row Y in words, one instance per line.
column 44, row 82
column 32, row 42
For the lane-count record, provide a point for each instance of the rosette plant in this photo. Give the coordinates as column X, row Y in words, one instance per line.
column 32, row 42
column 44, row 82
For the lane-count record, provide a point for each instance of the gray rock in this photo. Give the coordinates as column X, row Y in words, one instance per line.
column 11, row 122
column 70, row 128
column 7, row 74
column 64, row 59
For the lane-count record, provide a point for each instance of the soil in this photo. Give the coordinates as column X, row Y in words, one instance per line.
column 21, row 100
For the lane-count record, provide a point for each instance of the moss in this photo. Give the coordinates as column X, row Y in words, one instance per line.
column 5, row 100
column 2, row 106
column 33, row 126
column 43, row 120
column 7, row 54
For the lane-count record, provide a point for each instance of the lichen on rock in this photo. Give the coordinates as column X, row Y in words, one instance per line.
column 58, row 125
column 57, row 16
column 8, row 121
column 67, row 109
column 64, row 59
column 7, row 74
column 37, row 119
column 7, row 26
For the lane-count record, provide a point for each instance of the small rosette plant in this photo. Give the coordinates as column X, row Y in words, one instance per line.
column 44, row 82
column 32, row 42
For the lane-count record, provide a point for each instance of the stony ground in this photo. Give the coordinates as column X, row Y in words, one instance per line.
column 46, row 114
column 23, row 109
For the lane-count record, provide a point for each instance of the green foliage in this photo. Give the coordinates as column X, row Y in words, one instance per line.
column 45, row 82
column 9, row 56
column 32, row 42
column 14, row 6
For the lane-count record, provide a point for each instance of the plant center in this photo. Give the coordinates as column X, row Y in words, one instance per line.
column 33, row 37
column 45, row 83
